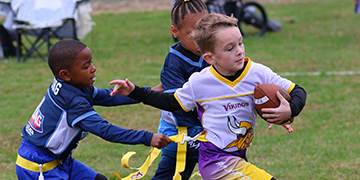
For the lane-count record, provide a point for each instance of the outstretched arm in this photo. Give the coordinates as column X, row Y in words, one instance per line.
column 165, row 101
column 96, row 125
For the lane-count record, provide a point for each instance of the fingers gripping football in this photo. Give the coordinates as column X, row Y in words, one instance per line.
column 272, row 103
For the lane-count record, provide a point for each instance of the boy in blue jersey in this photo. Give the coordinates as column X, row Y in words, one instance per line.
column 66, row 115
column 183, row 59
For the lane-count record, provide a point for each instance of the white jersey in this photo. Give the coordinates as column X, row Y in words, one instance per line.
column 226, row 108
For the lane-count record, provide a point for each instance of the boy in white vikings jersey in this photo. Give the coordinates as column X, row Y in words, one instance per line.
column 223, row 97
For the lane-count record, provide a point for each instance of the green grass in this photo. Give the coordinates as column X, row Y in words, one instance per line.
column 323, row 37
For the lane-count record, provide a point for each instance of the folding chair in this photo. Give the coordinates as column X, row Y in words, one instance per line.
column 39, row 21
column 4, row 7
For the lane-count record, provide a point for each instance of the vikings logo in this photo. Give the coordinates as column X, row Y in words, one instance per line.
column 244, row 132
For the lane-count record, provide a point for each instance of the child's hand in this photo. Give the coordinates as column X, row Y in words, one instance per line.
column 287, row 127
column 122, row 87
column 279, row 115
column 158, row 88
column 160, row 140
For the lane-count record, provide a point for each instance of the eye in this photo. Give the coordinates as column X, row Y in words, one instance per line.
column 87, row 65
column 229, row 49
column 241, row 43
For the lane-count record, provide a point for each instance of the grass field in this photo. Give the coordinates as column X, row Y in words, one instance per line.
column 323, row 37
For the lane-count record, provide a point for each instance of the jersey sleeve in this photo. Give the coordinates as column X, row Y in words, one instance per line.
column 96, row 125
column 78, row 109
column 165, row 101
column 298, row 99
column 271, row 77
column 102, row 97
column 185, row 97
column 297, row 93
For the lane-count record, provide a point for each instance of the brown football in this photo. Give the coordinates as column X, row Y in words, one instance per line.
column 265, row 97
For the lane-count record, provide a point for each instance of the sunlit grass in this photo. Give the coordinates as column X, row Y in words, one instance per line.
column 323, row 37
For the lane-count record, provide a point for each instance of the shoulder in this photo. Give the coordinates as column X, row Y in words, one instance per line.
column 257, row 65
column 265, row 74
column 258, row 68
column 201, row 76
column 186, row 58
column 173, row 58
column 66, row 94
column 204, row 72
column 61, row 89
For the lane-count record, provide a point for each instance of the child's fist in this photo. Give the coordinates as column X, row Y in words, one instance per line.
column 160, row 140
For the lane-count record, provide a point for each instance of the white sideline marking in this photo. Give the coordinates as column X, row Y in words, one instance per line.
column 317, row 73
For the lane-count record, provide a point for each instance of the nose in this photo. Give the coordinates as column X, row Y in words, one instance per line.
column 240, row 49
column 93, row 68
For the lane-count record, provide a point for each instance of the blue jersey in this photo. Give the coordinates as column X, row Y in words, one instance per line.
column 175, row 73
column 65, row 115
column 179, row 65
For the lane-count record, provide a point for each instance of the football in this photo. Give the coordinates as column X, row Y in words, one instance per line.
column 265, row 97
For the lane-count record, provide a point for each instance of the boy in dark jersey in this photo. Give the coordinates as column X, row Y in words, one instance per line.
column 183, row 59
column 66, row 115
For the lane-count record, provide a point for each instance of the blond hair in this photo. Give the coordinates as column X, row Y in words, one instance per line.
column 207, row 28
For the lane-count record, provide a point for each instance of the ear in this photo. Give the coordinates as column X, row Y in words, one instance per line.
column 208, row 57
column 64, row 75
column 174, row 31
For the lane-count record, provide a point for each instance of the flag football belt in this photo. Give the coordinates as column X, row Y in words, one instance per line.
column 35, row 167
column 181, row 139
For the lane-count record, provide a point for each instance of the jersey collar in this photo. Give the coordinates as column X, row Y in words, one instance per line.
column 237, row 80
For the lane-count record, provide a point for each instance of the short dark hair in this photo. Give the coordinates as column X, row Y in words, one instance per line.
column 182, row 8
column 207, row 28
column 63, row 55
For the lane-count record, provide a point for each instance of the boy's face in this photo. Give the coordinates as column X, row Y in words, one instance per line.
column 82, row 72
column 183, row 33
column 229, row 52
